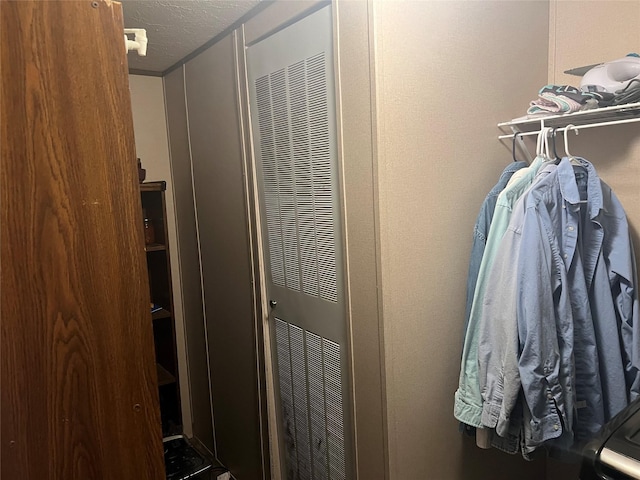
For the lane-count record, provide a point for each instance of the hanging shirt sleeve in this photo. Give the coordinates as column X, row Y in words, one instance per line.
column 627, row 308
column 545, row 331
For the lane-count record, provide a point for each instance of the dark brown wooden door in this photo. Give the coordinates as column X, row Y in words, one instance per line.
column 78, row 386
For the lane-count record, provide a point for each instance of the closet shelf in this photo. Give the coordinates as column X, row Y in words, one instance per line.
column 155, row 247
column 619, row 114
column 159, row 314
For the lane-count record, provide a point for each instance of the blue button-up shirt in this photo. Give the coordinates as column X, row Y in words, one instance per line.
column 560, row 319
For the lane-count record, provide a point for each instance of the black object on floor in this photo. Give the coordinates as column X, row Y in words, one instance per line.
column 181, row 460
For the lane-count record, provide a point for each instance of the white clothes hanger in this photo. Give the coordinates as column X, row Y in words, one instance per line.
column 567, row 129
column 547, row 144
column 572, row 159
column 542, row 143
column 539, row 143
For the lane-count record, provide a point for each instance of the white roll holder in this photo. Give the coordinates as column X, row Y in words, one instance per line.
column 139, row 43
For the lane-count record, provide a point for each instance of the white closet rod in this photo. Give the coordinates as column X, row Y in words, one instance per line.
column 576, row 127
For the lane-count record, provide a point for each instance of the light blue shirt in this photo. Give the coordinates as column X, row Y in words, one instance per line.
column 468, row 401
column 560, row 316
column 481, row 231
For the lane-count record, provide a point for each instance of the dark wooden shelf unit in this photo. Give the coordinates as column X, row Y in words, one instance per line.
column 164, row 332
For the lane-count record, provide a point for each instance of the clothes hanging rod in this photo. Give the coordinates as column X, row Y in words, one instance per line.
column 576, row 127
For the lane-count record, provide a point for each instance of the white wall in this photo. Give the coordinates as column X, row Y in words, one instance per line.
column 152, row 147
column 578, row 36
column 446, row 74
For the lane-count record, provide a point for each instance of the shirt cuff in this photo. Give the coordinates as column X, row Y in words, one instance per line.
column 466, row 412
column 545, row 428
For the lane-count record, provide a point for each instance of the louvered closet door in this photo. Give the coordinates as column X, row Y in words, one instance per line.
column 293, row 121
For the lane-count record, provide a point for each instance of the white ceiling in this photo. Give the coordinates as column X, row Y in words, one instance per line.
column 176, row 28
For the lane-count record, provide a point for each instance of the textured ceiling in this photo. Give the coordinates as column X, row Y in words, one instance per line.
column 178, row 27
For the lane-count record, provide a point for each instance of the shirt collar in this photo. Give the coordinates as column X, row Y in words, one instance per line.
column 510, row 170
column 506, row 175
column 513, row 166
column 569, row 188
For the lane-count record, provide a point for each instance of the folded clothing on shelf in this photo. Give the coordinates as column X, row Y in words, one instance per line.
column 555, row 99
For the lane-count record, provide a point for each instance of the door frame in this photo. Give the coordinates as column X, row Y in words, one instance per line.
column 260, row 300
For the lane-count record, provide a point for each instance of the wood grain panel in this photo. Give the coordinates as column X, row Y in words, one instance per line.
column 79, row 386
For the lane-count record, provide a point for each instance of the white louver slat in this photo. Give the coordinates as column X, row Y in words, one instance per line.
column 297, row 176
column 301, row 401
column 311, row 396
column 270, row 180
column 294, row 127
column 283, row 351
